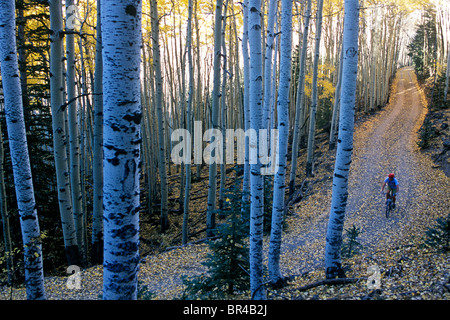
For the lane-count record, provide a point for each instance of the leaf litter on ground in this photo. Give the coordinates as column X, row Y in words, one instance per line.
column 408, row 269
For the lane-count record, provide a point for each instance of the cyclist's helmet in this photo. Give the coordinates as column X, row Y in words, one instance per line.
column 391, row 176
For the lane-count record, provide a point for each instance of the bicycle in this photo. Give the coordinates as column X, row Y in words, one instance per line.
column 389, row 204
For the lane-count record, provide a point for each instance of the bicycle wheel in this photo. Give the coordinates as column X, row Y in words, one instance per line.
column 388, row 207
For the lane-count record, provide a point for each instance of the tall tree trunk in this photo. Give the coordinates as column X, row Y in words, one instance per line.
column 212, row 188
column 161, row 117
column 59, row 134
column 314, row 94
column 5, row 219
column 447, row 73
column 345, row 142
column 256, row 179
column 223, row 109
column 21, row 48
column 74, row 146
column 97, row 162
column 187, row 190
column 273, row 7
column 121, row 38
column 34, row 273
column 299, row 100
column 246, row 63
column 279, row 186
column 337, row 99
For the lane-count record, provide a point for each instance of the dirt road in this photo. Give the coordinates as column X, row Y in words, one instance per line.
column 383, row 144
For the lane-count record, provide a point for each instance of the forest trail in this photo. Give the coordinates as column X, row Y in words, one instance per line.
column 385, row 143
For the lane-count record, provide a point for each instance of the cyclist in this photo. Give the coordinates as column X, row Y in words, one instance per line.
column 392, row 185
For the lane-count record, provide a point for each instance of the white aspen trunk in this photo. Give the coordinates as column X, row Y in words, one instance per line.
column 345, row 142
column 283, row 137
column 337, row 100
column 32, row 246
column 121, row 44
column 161, row 118
column 299, row 100
column 59, row 134
column 447, row 73
column 256, row 179
column 373, row 69
column 246, row 63
column 314, row 94
column 74, row 146
column 97, row 162
column 185, row 230
column 223, row 116
column 212, row 188
column 273, row 6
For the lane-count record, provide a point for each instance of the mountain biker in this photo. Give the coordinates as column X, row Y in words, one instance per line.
column 392, row 185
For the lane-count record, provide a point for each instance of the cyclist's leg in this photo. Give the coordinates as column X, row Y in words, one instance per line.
column 394, row 193
column 388, row 193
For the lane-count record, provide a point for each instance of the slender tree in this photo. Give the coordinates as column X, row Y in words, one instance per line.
column 185, row 233
column 273, row 6
column 256, row 179
column 212, row 188
column 447, row 73
column 246, row 63
column 299, row 100
column 345, row 141
column 314, row 93
column 97, row 162
column 121, row 44
column 161, row 118
column 74, row 145
column 337, row 98
column 34, row 273
column 5, row 218
column 59, row 133
column 283, row 136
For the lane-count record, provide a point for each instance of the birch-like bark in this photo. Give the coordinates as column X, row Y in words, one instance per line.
column 187, row 190
column 299, row 100
column 256, row 179
column 32, row 246
column 74, row 146
column 314, row 93
column 246, row 63
column 161, row 118
column 273, row 6
column 121, row 44
column 283, row 137
column 59, row 134
column 447, row 73
column 97, row 162
column 223, row 108
column 212, row 188
column 345, row 142
column 337, row 99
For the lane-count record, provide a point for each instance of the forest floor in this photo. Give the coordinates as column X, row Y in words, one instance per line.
column 384, row 142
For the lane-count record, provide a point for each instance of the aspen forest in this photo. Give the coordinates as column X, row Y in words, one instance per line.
column 224, row 150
